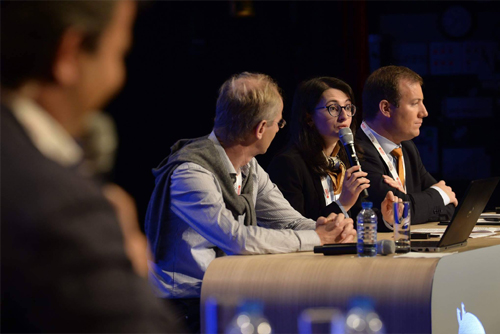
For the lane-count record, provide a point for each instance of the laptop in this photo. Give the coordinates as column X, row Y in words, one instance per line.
column 464, row 219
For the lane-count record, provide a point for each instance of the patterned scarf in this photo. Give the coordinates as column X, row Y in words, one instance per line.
column 336, row 169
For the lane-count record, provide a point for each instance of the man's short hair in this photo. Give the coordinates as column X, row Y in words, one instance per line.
column 244, row 100
column 383, row 84
column 32, row 30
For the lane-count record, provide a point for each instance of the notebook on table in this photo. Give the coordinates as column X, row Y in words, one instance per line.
column 464, row 219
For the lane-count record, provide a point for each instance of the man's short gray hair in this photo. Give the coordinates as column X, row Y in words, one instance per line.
column 244, row 100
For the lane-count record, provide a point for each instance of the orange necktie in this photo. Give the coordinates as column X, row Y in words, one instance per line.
column 398, row 154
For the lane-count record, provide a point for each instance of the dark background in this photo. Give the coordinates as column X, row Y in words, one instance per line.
column 183, row 51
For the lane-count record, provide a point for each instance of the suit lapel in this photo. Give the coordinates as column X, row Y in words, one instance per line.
column 408, row 169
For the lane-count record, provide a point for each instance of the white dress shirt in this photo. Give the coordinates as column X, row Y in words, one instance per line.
column 48, row 136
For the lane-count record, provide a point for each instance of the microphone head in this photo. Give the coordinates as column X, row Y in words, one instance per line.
column 345, row 136
column 385, row 247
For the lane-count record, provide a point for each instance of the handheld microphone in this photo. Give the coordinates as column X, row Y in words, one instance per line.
column 346, row 138
column 384, row 247
column 337, row 249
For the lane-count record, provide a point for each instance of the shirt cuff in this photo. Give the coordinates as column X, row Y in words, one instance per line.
column 446, row 198
column 308, row 239
column 389, row 226
column 342, row 208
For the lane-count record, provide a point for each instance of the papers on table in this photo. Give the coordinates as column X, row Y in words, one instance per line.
column 480, row 235
column 490, row 215
column 486, row 222
column 477, row 232
column 489, row 218
column 421, row 255
column 485, row 229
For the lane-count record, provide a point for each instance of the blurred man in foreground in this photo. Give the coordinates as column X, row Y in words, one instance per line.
column 63, row 264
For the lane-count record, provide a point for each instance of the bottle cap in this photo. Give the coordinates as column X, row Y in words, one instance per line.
column 362, row 302
column 251, row 306
column 366, row 205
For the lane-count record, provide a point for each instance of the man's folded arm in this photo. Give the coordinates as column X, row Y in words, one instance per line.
column 196, row 198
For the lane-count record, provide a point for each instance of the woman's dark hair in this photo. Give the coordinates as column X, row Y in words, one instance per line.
column 303, row 133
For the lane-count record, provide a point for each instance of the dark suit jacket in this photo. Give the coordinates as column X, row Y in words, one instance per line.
column 300, row 185
column 62, row 259
column 426, row 203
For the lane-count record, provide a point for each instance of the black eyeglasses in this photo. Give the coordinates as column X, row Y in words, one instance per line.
column 334, row 109
column 281, row 123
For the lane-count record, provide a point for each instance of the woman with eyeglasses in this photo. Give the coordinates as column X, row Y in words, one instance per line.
column 313, row 172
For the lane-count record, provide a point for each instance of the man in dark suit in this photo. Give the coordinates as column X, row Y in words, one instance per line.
column 62, row 259
column 393, row 114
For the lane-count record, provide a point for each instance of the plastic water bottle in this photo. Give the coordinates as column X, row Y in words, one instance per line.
column 367, row 231
column 362, row 318
column 249, row 319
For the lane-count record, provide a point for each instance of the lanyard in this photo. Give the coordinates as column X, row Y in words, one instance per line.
column 368, row 131
column 327, row 184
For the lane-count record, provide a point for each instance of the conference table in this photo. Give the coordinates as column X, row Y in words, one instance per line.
column 411, row 295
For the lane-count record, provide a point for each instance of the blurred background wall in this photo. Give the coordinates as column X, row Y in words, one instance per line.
column 184, row 50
